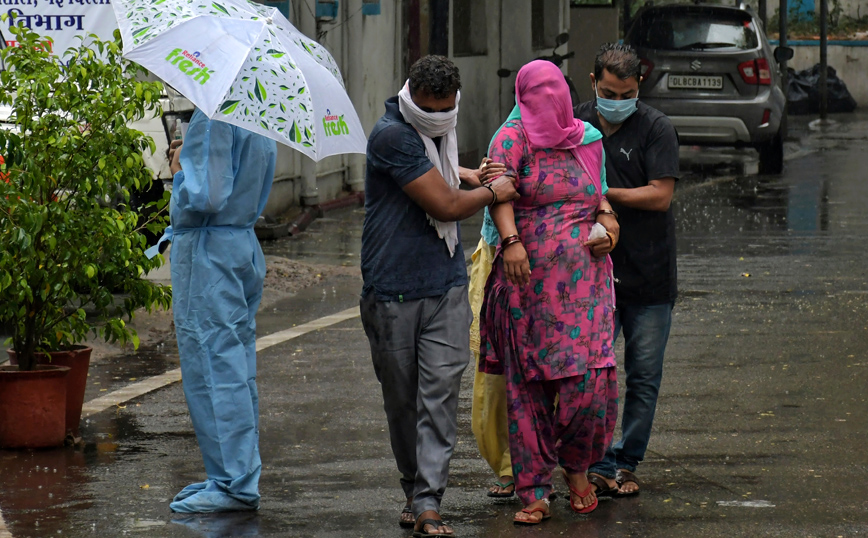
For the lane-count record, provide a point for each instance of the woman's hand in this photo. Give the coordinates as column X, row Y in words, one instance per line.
column 490, row 170
column 611, row 224
column 600, row 247
column 604, row 245
column 516, row 264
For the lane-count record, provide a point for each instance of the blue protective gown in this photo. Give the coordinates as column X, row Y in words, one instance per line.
column 217, row 275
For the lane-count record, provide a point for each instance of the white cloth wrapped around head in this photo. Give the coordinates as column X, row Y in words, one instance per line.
column 432, row 125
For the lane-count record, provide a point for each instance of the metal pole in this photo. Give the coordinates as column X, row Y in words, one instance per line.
column 763, row 8
column 355, row 69
column 782, row 42
column 824, row 61
column 309, row 26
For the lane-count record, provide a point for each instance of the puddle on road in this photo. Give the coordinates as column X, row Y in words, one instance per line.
column 235, row 524
column 40, row 487
column 336, row 239
column 746, row 504
column 146, row 524
column 332, row 240
column 777, row 215
column 112, row 373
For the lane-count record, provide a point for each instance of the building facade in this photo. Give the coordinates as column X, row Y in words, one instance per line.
column 375, row 51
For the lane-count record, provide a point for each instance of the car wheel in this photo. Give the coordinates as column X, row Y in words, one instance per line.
column 771, row 156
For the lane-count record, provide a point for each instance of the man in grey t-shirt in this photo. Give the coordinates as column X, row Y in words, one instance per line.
column 414, row 301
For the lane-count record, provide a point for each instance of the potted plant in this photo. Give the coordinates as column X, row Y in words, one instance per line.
column 71, row 257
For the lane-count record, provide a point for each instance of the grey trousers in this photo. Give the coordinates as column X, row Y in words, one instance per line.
column 420, row 349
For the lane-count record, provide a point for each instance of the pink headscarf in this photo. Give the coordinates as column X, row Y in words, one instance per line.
column 546, row 108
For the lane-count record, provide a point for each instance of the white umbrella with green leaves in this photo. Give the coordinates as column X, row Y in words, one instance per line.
column 245, row 64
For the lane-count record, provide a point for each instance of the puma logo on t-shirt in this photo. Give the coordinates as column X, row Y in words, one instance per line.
column 627, row 153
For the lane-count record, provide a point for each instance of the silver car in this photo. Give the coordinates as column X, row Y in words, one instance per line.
column 711, row 69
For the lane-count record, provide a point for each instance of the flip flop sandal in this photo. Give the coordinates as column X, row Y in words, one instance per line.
column 603, row 489
column 407, row 524
column 624, row 477
column 546, row 514
column 437, row 524
column 580, row 494
column 503, row 486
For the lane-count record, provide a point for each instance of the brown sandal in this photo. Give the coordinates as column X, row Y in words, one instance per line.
column 622, row 478
column 603, row 488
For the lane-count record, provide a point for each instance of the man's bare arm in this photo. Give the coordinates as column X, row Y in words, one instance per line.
column 446, row 204
column 655, row 196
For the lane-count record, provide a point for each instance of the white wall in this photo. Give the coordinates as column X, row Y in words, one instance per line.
column 515, row 49
column 487, row 99
column 482, row 110
column 590, row 28
column 368, row 50
column 851, row 64
column 851, row 8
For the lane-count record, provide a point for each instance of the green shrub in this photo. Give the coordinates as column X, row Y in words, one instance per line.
column 63, row 248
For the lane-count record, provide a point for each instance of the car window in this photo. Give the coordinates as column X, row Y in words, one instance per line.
column 694, row 31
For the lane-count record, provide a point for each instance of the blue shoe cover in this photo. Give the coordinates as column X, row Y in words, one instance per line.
column 190, row 490
column 209, row 502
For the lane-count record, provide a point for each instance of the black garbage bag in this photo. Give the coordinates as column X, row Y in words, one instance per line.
column 803, row 92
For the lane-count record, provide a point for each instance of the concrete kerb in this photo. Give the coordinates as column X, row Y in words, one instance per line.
column 129, row 392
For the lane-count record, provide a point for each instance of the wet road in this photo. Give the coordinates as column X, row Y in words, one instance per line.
column 761, row 425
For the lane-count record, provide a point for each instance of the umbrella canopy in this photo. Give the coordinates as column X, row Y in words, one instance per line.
column 245, row 64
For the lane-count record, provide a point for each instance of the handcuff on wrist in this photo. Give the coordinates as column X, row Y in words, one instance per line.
column 607, row 212
column 493, row 194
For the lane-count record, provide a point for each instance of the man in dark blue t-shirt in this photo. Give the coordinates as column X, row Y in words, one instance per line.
column 641, row 169
column 414, row 301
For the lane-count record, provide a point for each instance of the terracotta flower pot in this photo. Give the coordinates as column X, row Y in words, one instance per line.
column 33, row 407
column 77, row 360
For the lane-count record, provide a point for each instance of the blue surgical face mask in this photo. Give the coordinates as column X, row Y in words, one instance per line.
column 616, row 111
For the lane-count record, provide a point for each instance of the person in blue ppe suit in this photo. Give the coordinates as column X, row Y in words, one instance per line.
column 222, row 177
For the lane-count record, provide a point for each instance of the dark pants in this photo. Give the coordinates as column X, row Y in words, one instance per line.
column 420, row 349
column 646, row 331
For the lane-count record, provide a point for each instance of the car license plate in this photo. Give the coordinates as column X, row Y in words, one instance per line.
column 693, row 82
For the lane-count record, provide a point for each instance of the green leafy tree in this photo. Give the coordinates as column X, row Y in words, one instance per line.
column 65, row 248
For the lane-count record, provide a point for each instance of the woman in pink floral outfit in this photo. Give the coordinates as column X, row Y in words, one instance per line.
column 547, row 318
